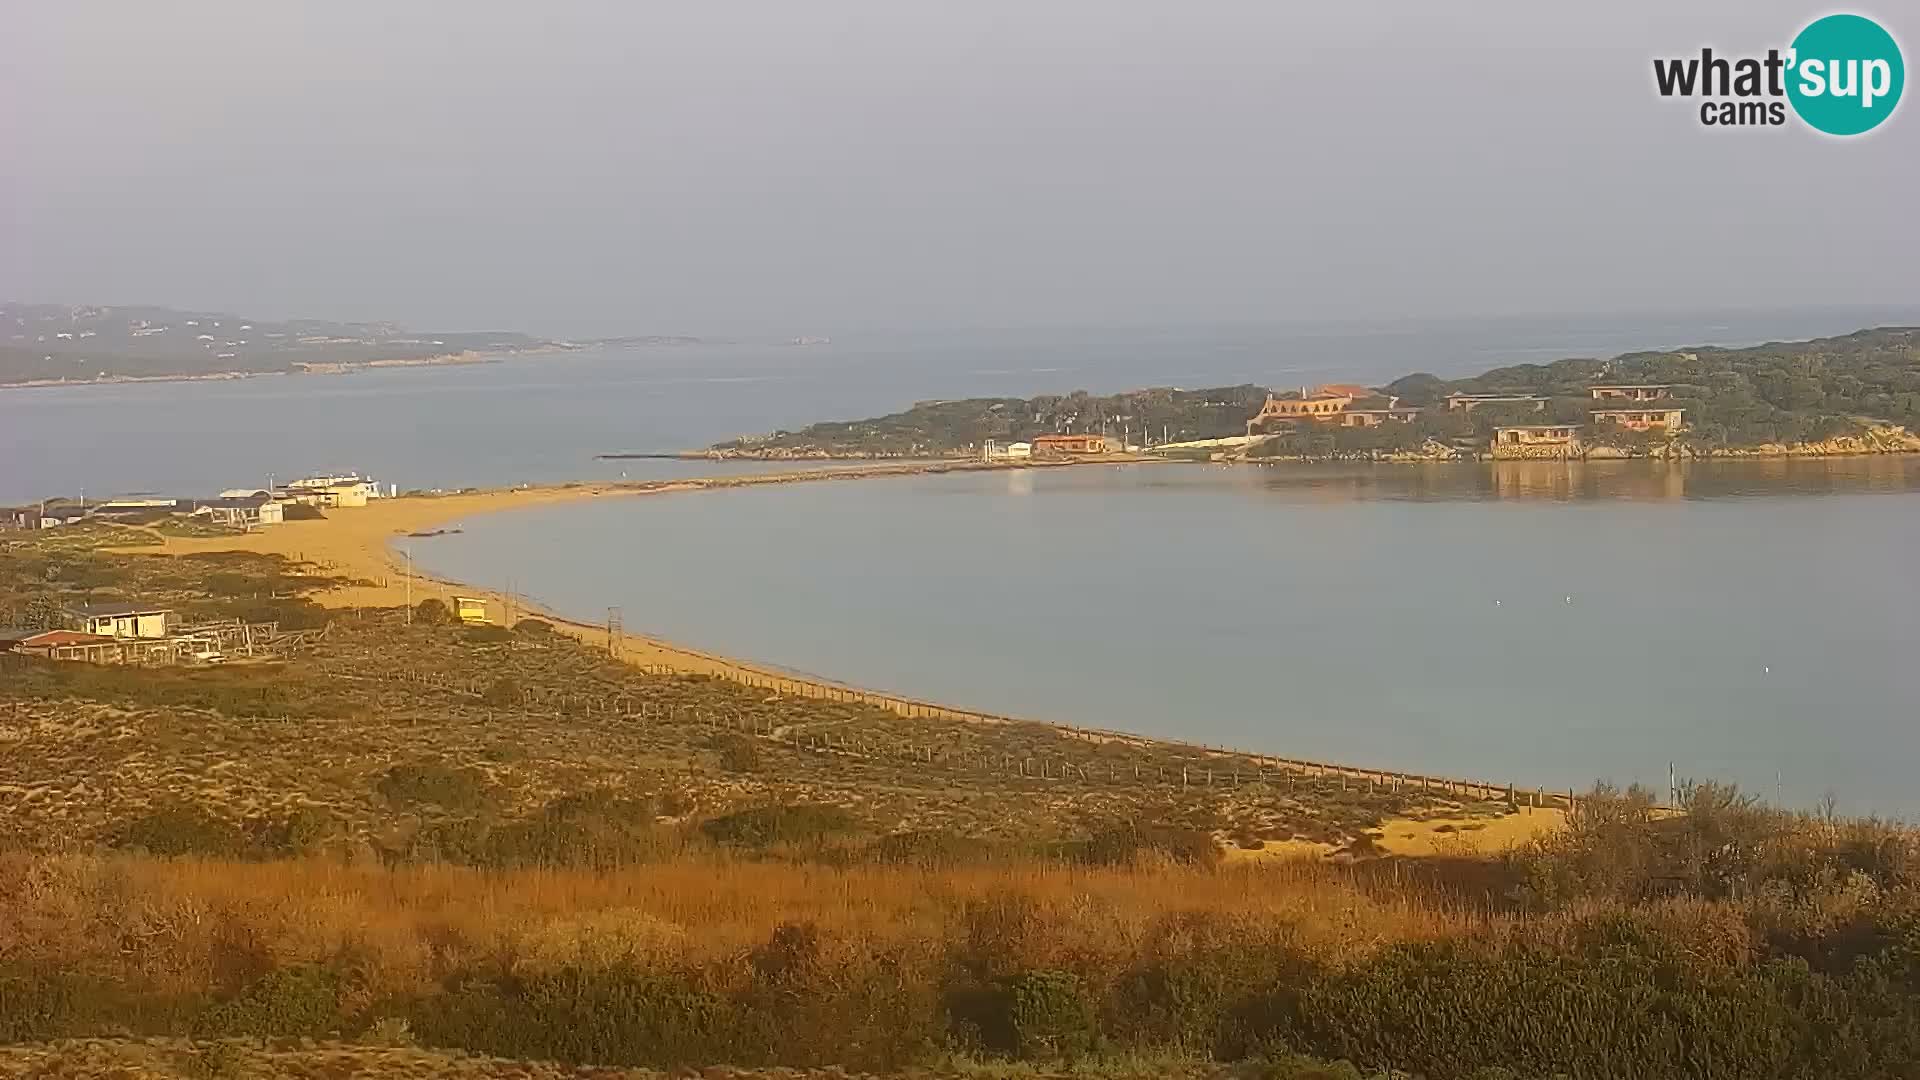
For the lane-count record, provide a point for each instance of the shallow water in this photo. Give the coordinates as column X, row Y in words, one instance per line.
column 1541, row 623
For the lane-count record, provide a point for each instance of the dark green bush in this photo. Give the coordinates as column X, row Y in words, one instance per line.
column 613, row 1016
column 300, row 1000
column 1450, row 1008
column 741, row 755
column 1120, row 843
column 1050, row 1016
column 485, row 634
column 187, row 829
column 431, row 783
column 432, row 612
column 1198, row 988
column 243, row 691
column 182, row 830
column 930, row 848
column 765, row 826
column 594, row 829
column 502, row 692
column 812, row 1003
column 36, row 1006
column 226, row 583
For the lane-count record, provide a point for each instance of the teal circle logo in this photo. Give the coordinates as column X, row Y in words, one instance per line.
column 1845, row 75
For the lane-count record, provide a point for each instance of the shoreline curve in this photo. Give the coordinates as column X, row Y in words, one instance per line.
column 359, row 544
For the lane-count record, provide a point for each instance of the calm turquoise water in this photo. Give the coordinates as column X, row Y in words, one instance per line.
column 1542, row 623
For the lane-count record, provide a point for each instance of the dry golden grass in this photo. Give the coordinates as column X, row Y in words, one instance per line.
column 416, row 923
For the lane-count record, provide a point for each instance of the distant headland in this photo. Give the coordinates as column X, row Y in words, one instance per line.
column 1853, row 394
column 60, row 345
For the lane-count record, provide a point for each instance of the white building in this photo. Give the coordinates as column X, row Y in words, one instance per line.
column 245, row 511
column 350, row 490
column 124, row 620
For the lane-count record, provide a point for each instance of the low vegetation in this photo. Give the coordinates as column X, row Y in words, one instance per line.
column 411, row 840
column 1627, row 946
column 935, row 428
column 1777, row 394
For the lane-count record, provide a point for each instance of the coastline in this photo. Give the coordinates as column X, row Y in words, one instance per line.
column 359, row 544
column 299, row 367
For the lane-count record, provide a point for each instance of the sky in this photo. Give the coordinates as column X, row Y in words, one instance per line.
column 725, row 166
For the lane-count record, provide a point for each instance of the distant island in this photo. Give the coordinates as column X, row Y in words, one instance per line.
column 1858, row 393
column 54, row 344
column 50, row 343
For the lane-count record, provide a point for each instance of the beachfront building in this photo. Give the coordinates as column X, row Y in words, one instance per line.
column 1524, row 441
column 336, row 491
column 63, row 645
column 1069, row 444
column 1631, row 391
column 1373, row 416
column 1291, row 408
column 245, row 511
column 19, row 517
column 470, row 609
column 1470, row 402
column 1658, row 421
column 123, row 620
column 139, row 505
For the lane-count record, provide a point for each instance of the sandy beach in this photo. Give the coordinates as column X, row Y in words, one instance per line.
column 359, row 543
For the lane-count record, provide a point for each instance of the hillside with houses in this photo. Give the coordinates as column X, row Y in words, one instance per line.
column 1855, row 393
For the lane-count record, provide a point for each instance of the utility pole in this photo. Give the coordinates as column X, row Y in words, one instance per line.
column 409, row 551
column 615, row 629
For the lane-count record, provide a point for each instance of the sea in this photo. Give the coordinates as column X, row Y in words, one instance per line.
column 1545, row 624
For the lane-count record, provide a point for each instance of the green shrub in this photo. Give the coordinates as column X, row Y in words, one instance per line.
column 299, row 1000
column 225, row 583
column 432, row 612
column 931, row 848
column 297, row 832
column 533, row 627
column 788, row 824
column 433, row 784
column 813, row 1003
column 1120, row 843
column 187, row 829
column 1050, row 1016
column 181, row 830
column 1450, row 1008
column 594, row 829
column 485, row 634
column 610, row 1016
column 36, row 1006
column 503, row 692
column 739, row 754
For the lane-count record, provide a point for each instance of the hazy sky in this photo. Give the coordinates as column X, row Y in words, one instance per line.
column 813, row 166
